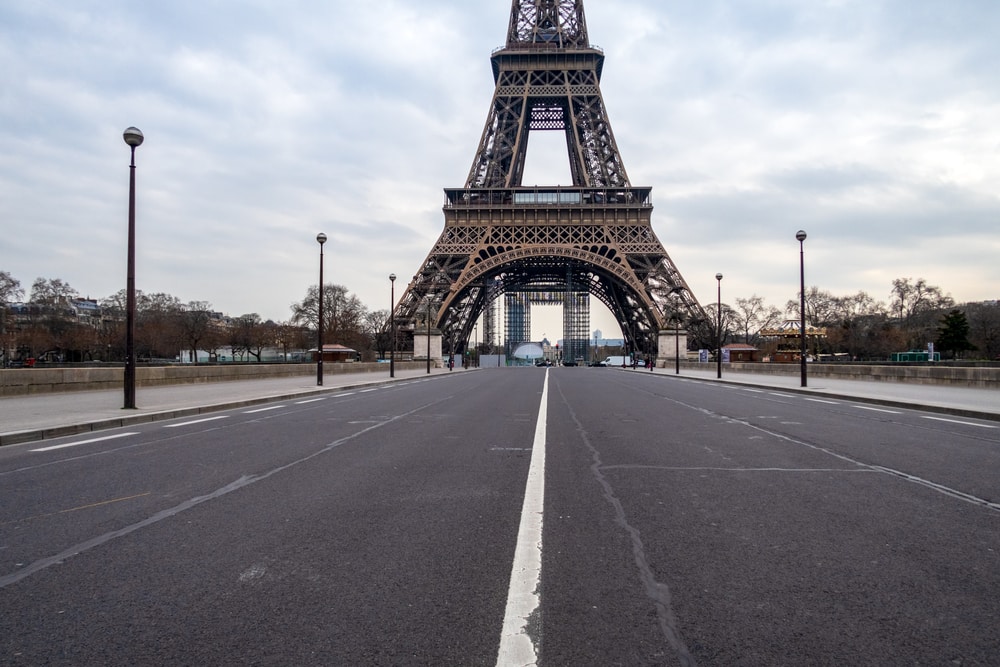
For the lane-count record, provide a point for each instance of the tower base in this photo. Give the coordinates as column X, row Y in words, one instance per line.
column 671, row 343
column 420, row 340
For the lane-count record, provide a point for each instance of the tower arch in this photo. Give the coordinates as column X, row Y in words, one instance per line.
column 593, row 236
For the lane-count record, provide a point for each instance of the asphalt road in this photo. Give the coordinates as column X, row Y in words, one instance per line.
column 683, row 523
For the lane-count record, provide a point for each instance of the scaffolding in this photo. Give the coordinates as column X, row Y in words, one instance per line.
column 517, row 323
column 490, row 318
column 514, row 310
column 576, row 322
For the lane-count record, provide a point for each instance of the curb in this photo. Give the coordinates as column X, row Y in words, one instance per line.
column 887, row 402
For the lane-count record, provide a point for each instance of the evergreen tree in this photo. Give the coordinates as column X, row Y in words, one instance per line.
column 953, row 334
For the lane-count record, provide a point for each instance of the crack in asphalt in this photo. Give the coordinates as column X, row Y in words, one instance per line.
column 657, row 591
column 245, row 480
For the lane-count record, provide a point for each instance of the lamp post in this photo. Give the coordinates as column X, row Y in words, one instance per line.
column 800, row 236
column 428, row 334
column 392, row 324
column 677, row 345
column 496, row 284
column 718, row 330
column 133, row 137
column 321, row 239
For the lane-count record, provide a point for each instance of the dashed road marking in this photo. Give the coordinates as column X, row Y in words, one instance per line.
column 196, row 421
column 84, row 442
column 958, row 421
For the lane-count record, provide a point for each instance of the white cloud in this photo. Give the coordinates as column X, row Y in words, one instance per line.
column 872, row 125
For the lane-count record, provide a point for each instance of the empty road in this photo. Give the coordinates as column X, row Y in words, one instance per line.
column 569, row 516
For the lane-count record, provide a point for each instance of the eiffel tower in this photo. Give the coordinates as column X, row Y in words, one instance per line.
column 592, row 237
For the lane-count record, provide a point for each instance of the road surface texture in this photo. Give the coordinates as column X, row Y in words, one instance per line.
column 678, row 523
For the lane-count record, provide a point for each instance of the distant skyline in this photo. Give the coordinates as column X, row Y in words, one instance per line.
column 871, row 125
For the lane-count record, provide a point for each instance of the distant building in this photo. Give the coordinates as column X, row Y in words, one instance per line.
column 741, row 352
column 336, row 353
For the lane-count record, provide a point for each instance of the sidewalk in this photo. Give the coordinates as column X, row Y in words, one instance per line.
column 30, row 418
column 959, row 401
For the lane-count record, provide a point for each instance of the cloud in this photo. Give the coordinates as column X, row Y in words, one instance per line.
column 872, row 125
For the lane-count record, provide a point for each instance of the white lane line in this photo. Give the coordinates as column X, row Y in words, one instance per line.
column 517, row 639
column 84, row 442
column 865, row 407
column 958, row 421
column 774, row 393
column 196, row 421
column 820, row 400
column 365, row 391
column 754, row 391
column 311, row 400
column 253, row 412
column 349, row 393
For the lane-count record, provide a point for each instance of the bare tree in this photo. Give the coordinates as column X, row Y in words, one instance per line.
column 752, row 315
column 377, row 329
column 821, row 307
column 10, row 288
column 10, row 291
column 51, row 292
column 195, row 323
column 728, row 319
column 911, row 298
column 247, row 332
column 343, row 314
column 984, row 328
column 859, row 319
column 918, row 306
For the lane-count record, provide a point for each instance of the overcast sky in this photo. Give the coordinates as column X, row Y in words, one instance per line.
column 873, row 125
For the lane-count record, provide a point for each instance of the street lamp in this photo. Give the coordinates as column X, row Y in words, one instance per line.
column 677, row 344
column 428, row 334
column 496, row 284
column 800, row 236
column 133, row 137
column 392, row 323
column 718, row 314
column 321, row 239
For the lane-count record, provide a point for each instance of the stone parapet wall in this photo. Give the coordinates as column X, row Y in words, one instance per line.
column 27, row 381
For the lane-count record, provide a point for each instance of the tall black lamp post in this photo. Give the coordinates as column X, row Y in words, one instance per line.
column 718, row 330
column 321, row 239
column 392, row 324
column 677, row 344
column 133, row 137
column 800, row 236
column 428, row 334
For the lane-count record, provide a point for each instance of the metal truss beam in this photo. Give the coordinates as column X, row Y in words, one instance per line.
column 591, row 238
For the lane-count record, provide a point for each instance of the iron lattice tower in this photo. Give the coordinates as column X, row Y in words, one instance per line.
column 593, row 237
